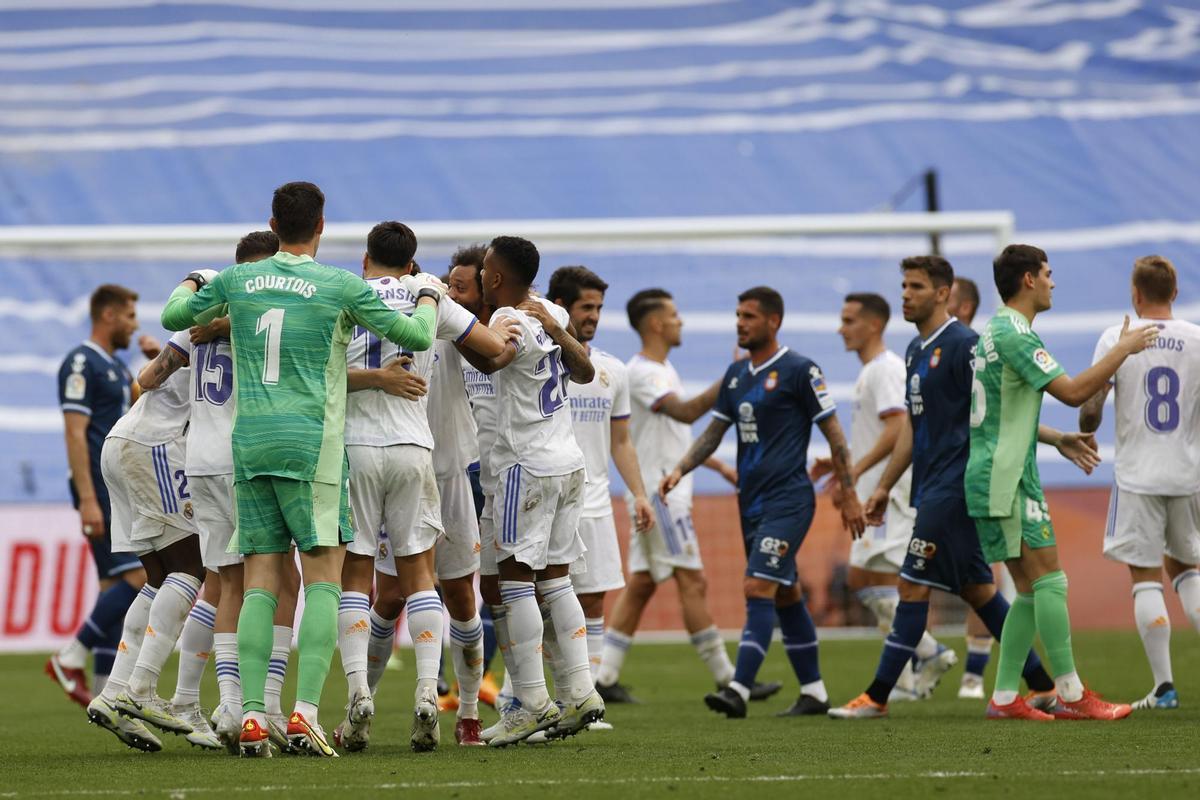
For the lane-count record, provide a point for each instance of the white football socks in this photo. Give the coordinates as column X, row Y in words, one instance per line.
column 195, row 646
column 281, row 651
column 525, row 631
column 167, row 613
column 424, row 613
column 1187, row 586
column 379, row 648
column 571, row 630
column 466, row 653
column 229, row 681
column 1154, row 626
column 595, row 644
column 553, row 658
column 131, row 643
column 354, row 635
column 616, row 646
column 881, row 601
column 709, row 646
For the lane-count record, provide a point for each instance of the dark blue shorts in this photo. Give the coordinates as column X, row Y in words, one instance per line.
column 476, row 488
column 108, row 564
column 771, row 541
column 944, row 550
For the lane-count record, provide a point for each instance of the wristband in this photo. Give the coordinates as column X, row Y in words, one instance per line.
column 429, row 291
column 200, row 280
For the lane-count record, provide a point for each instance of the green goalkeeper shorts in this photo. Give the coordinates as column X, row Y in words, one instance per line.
column 1001, row 537
column 274, row 512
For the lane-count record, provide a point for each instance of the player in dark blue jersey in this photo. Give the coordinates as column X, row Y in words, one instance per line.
column 773, row 398
column 944, row 551
column 94, row 389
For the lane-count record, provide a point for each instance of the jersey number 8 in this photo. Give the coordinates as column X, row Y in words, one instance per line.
column 1162, row 399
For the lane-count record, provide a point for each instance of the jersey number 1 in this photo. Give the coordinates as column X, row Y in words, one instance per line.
column 272, row 322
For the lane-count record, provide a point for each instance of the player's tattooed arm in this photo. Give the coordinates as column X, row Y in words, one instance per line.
column 692, row 409
column 853, row 519
column 574, row 355
column 1091, row 413
column 697, row 454
column 162, row 367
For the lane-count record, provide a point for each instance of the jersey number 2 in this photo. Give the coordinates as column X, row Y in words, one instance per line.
column 272, row 322
column 1162, row 399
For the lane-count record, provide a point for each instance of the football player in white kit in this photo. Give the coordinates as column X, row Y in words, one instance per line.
column 879, row 413
column 153, row 517
column 600, row 418
column 1154, row 510
column 660, row 426
column 466, row 288
column 393, row 491
column 538, row 496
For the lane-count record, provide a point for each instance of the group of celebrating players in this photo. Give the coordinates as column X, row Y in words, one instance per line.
column 403, row 434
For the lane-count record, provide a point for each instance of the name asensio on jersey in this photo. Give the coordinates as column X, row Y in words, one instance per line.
column 297, row 285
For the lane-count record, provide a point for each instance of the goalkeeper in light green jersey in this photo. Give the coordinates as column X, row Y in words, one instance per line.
column 1004, row 492
column 291, row 319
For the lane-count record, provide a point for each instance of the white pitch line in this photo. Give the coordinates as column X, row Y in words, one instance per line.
column 614, row 781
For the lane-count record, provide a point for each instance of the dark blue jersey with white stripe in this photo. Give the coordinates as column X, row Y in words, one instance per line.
column 92, row 382
column 773, row 406
column 938, row 396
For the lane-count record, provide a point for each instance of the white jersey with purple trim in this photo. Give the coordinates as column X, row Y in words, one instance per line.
column 593, row 408
column 374, row 417
column 1157, row 413
column 533, row 418
column 455, row 442
column 660, row 441
column 211, row 395
column 878, row 392
column 159, row 415
column 481, row 392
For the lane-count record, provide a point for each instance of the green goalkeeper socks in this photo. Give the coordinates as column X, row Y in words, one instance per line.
column 255, row 635
column 317, row 639
column 1054, row 622
column 1016, row 639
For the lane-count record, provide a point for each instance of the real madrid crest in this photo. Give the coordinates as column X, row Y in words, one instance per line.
column 187, row 510
column 604, row 378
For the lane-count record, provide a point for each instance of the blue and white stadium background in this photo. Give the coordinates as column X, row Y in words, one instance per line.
column 1079, row 117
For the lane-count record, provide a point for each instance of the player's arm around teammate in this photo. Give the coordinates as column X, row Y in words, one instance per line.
column 574, row 355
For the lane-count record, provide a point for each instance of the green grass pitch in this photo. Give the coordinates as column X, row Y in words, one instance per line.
column 670, row 745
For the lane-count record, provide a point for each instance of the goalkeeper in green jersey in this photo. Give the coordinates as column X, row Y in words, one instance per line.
column 291, row 319
column 1004, row 491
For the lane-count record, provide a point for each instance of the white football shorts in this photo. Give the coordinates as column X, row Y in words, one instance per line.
column 457, row 553
column 669, row 544
column 537, row 518
column 882, row 548
column 151, row 505
column 1142, row 528
column 395, row 503
column 216, row 517
column 599, row 568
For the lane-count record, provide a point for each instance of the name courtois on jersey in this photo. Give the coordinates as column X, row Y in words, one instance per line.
column 283, row 283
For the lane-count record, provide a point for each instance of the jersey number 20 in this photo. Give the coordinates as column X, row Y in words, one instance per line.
column 554, row 390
